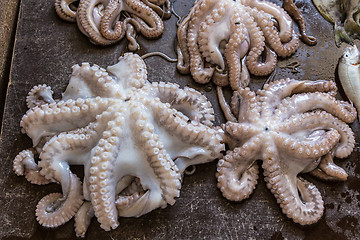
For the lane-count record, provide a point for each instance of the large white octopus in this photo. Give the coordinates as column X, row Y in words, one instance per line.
column 294, row 127
column 134, row 139
column 106, row 22
column 223, row 39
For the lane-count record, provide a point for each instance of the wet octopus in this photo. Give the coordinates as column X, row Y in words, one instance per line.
column 133, row 138
column 223, row 39
column 106, row 22
column 294, row 127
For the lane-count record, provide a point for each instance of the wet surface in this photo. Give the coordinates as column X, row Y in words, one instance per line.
column 46, row 48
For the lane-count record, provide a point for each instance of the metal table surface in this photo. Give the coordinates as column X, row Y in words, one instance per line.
column 45, row 49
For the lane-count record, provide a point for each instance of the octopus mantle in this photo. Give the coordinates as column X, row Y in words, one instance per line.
column 134, row 139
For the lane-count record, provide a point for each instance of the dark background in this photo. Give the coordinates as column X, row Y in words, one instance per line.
column 45, row 48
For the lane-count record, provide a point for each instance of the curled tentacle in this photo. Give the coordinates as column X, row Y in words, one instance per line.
column 56, row 209
column 237, row 172
column 108, row 29
column 311, row 121
column 283, row 49
column 24, row 164
column 39, row 95
column 283, row 19
column 149, row 23
column 89, row 24
column 66, row 9
column 328, row 166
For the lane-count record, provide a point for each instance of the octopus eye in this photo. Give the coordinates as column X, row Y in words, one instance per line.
column 346, row 55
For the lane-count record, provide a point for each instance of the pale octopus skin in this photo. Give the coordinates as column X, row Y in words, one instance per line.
column 134, row 139
column 100, row 20
column 223, row 40
column 293, row 127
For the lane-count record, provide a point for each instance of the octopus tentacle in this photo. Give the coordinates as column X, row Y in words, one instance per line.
column 189, row 101
column 281, row 16
column 328, row 166
column 308, row 149
column 198, row 136
column 90, row 25
column 224, row 105
column 160, row 161
column 83, row 218
column 273, row 93
column 183, row 64
column 24, row 164
column 312, row 120
column 66, row 10
column 101, row 175
column 235, row 50
column 237, row 172
column 131, row 37
column 300, row 103
column 211, row 32
column 97, row 80
column 50, row 119
column 164, row 12
column 108, row 29
column 56, row 209
column 248, row 109
column 198, row 72
column 294, row 12
column 130, row 71
column 306, row 208
column 267, row 26
column 220, row 77
column 257, row 45
column 151, row 25
column 39, row 95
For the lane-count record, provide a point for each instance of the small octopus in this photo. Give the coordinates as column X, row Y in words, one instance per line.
column 106, row 22
column 134, row 139
column 294, row 127
column 224, row 40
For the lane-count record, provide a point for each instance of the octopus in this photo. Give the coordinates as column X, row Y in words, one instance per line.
column 106, row 22
column 133, row 138
column 224, row 41
column 294, row 127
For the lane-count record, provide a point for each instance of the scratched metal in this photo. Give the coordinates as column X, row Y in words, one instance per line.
column 46, row 47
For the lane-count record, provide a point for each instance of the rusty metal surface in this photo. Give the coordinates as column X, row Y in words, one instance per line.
column 46, row 48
